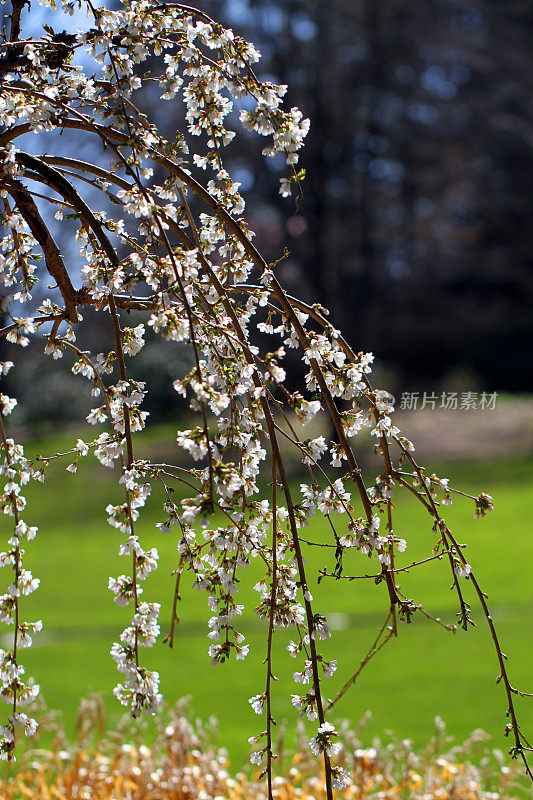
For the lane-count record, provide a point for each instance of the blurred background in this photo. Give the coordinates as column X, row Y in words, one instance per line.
column 414, row 226
column 414, row 230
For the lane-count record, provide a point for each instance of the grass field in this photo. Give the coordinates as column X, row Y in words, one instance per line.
column 425, row 672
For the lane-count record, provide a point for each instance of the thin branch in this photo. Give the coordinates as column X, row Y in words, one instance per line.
column 374, row 650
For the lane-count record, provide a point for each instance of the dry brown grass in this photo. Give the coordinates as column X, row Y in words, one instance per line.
column 183, row 764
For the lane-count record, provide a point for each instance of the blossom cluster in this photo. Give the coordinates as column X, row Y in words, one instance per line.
column 16, row 690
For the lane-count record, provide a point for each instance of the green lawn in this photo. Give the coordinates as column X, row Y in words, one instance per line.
column 425, row 672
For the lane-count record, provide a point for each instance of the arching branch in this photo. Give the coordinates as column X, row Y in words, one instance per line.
column 53, row 258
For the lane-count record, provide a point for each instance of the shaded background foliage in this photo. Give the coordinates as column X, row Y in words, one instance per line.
column 413, row 223
column 413, row 227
